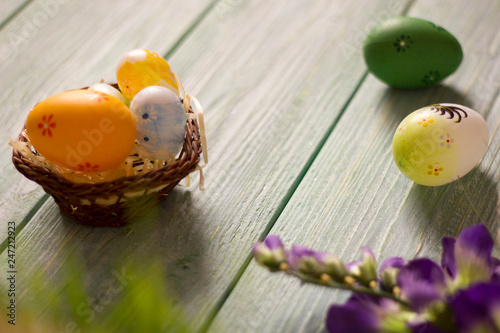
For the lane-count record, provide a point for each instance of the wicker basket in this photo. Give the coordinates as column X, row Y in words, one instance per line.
column 121, row 201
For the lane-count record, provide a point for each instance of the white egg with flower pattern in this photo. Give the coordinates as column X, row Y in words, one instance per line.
column 160, row 121
column 440, row 143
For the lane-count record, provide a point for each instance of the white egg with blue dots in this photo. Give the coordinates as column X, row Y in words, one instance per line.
column 160, row 121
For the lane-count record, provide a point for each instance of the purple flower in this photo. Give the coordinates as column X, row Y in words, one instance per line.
column 270, row 253
column 468, row 259
column 388, row 271
column 477, row 308
column 299, row 253
column 495, row 270
column 426, row 327
column 422, row 281
column 448, row 256
column 392, row 262
column 461, row 295
column 316, row 263
column 365, row 314
column 365, row 270
column 273, row 242
column 441, row 299
column 304, row 260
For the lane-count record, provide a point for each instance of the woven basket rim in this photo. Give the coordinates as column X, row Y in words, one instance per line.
column 188, row 158
column 105, row 184
column 124, row 200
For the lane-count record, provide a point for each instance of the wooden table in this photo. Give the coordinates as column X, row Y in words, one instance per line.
column 299, row 143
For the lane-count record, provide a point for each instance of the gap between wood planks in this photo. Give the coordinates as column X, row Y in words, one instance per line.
column 25, row 221
column 282, row 206
column 284, row 201
column 289, row 194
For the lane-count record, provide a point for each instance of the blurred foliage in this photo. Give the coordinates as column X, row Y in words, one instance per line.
column 133, row 300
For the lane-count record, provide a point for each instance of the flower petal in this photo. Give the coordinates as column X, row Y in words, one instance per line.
column 296, row 254
column 495, row 270
column 477, row 239
column 260, row 251
column 392, row 262
column 269, row 253
column 358, row 314
column 366, row 314
column 365, row 270
column 307, row 261
column 273, row 242
column 352, row 267
column 351, row 318
column 473, row 255
column 448, row 256
column 426, row 328
column 315, row 263
column 477, row 307
column 422, row 282
column 388, row 272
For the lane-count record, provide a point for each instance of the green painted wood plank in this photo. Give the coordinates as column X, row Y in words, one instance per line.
column 63, row 54
column 353, row 194
column 9, row 9
column 273, row 77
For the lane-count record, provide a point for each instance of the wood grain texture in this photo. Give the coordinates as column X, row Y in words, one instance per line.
column 273, row 78
column 353, row 194
column 76, row 45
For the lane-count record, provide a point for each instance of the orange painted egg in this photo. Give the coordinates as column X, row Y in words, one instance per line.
column 82, row 130
column 141, row 68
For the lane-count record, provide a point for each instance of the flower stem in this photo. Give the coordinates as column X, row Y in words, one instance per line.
column 355, row 288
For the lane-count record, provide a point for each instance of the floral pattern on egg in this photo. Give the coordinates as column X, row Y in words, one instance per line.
column 47, row 125
column 160, row 122
column 446, row 140
column 88, row 167
column 403, row 43
column 431, row 78
column 439, row 143
column 434, row 169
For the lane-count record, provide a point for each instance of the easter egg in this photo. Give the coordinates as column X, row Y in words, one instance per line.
column 141, row 68
column 160, row 121
column 110, row 90
column 440, row 143
column 82, row 130
column 407, row 52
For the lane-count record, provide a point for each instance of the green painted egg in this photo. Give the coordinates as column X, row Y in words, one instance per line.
column 440, row 143
column 407, row 52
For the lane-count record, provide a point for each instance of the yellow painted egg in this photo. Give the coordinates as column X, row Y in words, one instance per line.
column 141, row 68
column 440, row 143
column 83, row 130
